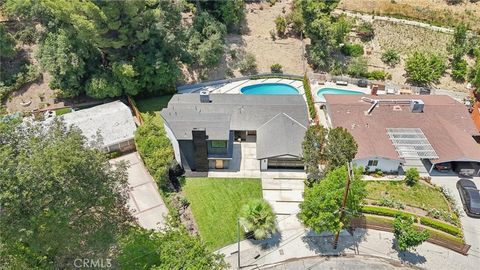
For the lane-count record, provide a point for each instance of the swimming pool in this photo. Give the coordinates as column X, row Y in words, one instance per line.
column 335, row 91
column 269, row 89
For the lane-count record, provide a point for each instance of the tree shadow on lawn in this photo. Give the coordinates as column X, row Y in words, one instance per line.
column 323, row 243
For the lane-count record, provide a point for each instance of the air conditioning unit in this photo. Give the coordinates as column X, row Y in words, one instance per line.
column 416, row 106
column 204, row 97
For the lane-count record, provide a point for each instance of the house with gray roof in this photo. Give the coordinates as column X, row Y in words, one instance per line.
column 111, row 125
column 203, row 128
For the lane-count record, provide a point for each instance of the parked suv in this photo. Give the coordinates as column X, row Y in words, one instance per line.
column 470, row 196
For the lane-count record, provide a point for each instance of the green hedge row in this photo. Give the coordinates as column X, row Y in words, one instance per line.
column 384, row 211
column 308, row 95
column 441, row 226
column 389, row 212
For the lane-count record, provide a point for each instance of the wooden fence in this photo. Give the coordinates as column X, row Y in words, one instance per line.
column 135, row 110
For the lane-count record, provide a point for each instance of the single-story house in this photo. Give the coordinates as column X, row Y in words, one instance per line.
column 110, row 126
column 392, row 131
column 203, row 127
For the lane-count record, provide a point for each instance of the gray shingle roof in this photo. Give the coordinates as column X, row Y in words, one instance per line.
column 280, row 136
column 228, row 112
column 113, row 121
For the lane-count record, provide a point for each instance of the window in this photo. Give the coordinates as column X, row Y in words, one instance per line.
column 219, row 144
column 372, row 163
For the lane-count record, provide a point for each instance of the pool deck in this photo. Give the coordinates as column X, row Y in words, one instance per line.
column 235, row 87
column 351, row 87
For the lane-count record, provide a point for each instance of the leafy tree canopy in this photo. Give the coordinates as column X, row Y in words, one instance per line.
column 341, row 148
column 7, row 43
column 59, row 200
column 406, row 235
column 424, row 68
column 313, row 145
column 172, row 248
column 320, row 209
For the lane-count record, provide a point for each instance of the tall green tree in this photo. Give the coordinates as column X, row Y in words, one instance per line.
column 406, row 236
column 423, row 68
column 313, row 150
column 59, row 200
column 257, row 216
column 322, row 203
column 172, row 248
column 341, row 148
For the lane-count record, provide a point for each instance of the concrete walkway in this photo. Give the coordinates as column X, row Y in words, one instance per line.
column 294, row 242
column 145, row 202
column 283, row 193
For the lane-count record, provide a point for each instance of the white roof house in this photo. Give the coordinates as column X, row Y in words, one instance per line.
column 112, row 121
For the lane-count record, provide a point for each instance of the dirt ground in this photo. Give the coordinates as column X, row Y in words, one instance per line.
column 256, row 39
column 433, row 11
column 406, row 39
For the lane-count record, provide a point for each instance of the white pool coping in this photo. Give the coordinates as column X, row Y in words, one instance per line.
column 350, row 87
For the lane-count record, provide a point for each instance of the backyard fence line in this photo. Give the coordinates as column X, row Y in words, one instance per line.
column 135, row 110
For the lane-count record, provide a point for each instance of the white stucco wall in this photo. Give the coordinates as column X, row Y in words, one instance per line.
column 384, row 164
column 173, row 140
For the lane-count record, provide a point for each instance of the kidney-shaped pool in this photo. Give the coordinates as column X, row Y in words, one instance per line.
column 269, row 89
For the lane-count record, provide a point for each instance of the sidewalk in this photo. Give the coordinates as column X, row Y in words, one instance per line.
column 294, row 241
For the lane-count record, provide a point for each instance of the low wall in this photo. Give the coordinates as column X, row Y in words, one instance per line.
column 362, row 222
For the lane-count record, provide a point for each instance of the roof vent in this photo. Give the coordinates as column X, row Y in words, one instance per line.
column 204, row 97
column 416, row 106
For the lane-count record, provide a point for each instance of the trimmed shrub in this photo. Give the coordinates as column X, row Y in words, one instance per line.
column 353, row 50
column 383, row 211
column 358, row 67
column 248, row 65
column 442, row 226
column 412, row 176
column 281, row 25
column 390, row 57
column 378, row 75
column 308, row 95
column 276, row 68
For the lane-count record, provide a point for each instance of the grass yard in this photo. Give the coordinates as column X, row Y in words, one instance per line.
column 216, row 204
column 420, row 195
column 153, row 105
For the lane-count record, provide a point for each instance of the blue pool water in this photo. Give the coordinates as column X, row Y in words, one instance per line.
column 269, row 89
column 336, row 91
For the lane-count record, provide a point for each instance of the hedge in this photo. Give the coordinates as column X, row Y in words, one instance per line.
column 389, row 212
column 440, row 226
column 308, row 95
column 155, row 148
column 384, row 211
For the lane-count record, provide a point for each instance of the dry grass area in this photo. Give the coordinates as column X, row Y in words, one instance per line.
column 256, row 39
column 406, row 39
column 432, row 11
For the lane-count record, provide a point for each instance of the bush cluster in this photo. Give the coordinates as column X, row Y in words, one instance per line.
column 353, row 50
column 155, row 148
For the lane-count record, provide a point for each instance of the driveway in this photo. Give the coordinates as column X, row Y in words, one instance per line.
column 471, row 226
column 145, row 201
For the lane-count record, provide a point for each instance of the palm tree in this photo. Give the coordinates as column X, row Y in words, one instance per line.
column 257, row 216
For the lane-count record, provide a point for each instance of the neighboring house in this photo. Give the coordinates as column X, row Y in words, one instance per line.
column 203, row 127
column 112, row 122
column 392, row 131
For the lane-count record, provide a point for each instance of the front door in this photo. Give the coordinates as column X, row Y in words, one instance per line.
column 218, row 164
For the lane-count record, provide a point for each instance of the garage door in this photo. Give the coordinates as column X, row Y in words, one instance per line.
column 285, row 163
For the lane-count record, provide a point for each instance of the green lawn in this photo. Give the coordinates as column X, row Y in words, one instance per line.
column 155, row 104
column 420, row 195
column 216, row 204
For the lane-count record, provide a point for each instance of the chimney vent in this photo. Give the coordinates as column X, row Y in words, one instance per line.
column 204, row 97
